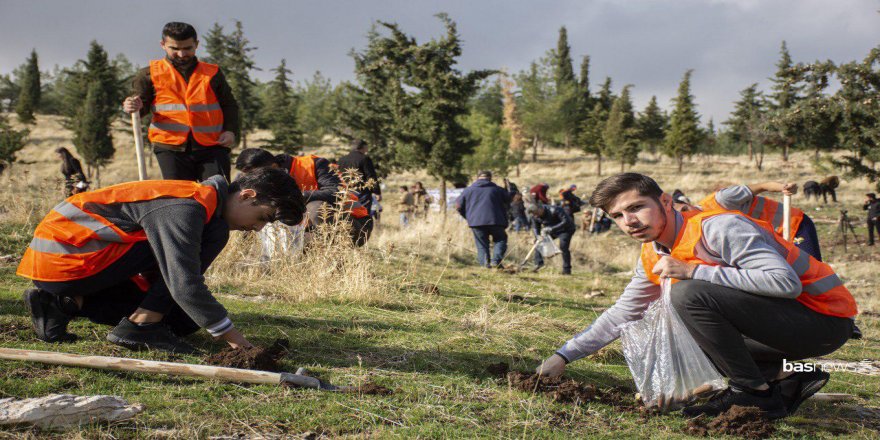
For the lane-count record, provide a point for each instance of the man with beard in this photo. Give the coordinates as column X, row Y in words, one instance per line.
column 751, row 300
column 195, row 116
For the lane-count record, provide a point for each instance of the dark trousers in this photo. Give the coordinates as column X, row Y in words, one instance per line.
column 196, row 165
column 873, row 225
column 110, row 295
column 565, row 247
column 747, row 336
column 482, row 234
column 810, row 242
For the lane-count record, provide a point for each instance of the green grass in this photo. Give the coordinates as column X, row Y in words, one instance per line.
column 431, row 349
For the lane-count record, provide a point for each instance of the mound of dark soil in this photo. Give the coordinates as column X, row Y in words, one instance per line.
column 430, row 289
column 254, row 358
column 498, row 370
column 372, row 389
column 515, row 298
column 561, row 390
column 740, row 421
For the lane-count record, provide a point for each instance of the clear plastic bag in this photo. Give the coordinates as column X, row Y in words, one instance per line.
column 278, row 240
column 547, row 247
column 668, row 366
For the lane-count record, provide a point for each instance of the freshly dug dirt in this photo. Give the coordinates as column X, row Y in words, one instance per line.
column 255, row 358
column 372, row 389
column 562, row 390
column 740, row 421
column 515, row 298
column 498, row 370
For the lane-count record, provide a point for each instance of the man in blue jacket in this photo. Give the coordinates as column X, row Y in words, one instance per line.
column 484, row 205
column 557, row 223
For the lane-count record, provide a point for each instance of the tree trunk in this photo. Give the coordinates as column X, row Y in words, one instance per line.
column 816, row 154
column 785, row 152
column 622, row 164
column 243, row 140
column 750, row 151
column 599, row 164
column 759, row 158
column 535, row 149
column 443, row 198
column 517, row 170
column 680, row 160
column 97, row 177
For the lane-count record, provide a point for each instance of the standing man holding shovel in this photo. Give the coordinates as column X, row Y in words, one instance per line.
column 195, row 116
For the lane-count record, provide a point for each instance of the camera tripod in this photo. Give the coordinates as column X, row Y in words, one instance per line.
column 844, row 224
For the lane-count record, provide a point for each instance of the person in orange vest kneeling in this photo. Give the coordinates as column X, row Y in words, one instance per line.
column 750, row 299
column 90, row 249
column 320, row 186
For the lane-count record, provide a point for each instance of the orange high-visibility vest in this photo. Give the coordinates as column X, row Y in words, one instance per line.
column 762, row 208
column 302, row 169
column 181, row 107
column 823, row 291
column 72, row 242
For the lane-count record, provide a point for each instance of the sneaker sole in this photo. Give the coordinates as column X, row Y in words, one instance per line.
column 32, row 302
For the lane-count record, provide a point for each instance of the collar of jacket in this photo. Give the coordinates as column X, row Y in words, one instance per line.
column 222, row 186
column 187, row 69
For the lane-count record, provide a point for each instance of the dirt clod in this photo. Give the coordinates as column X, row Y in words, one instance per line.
column 499, row 370
column 561, row 390
column 254, row 358
column 740, row 421
column 515, row 298
column 371, row 389
column 430, row 289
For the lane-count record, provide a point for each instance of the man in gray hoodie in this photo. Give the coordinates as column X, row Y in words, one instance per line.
column 747, row 307
column 89, row 249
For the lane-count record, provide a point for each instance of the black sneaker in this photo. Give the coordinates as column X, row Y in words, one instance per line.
column 154, row 336
column 798, row 387
column 48, row 316
column 772, row 404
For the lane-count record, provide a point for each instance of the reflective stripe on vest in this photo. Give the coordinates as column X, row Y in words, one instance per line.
column 764, row 209
column 72, row 242
column 822, row 290
column 181, row 107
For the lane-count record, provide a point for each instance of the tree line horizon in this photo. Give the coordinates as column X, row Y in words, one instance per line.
column 419, row 112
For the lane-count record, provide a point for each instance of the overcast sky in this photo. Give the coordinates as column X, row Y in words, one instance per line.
column 648, row 43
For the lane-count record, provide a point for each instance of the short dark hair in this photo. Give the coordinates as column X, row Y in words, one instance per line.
column 871, row 195
column 179, row 31
column 252, row 158
column 607, row 190
column 358, row 144
column 274, row 188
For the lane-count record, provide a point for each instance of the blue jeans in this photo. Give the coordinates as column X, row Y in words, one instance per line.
column 499, row 238
column 404, row 219
column 520, row 223
column 565, row 247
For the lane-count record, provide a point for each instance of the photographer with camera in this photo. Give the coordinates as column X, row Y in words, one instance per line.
column 872, row 205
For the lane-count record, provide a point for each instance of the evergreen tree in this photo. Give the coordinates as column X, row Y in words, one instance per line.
column 591, row 133
column 11, row 141
column 786, row 94
column 710, row 139
column 584, row 98
column 606, row 96
column 859, row 108
column 815, row 115
column 317, row 111
column 517, row 144
column 567, row 91
column 280, row 112
column 92, row 138
column 492, row 151
column 746, row 114
column 488, row 101
column 237, row 64
column 652, row 126
column 9, row 92
column 29, row 98
column 683, row 136
column 538, row 109
column 216, row 46
column 620, row 135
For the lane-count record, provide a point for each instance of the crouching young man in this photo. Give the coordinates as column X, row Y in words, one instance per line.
column 749, row 298
column 87, row 250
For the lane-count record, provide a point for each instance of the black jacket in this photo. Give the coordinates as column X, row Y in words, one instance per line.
column 873, row 208
column 555, row 220
column 361, row 162
column 328, row 181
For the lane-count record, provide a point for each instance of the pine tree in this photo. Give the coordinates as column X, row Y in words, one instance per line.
column 316, row 111
column 859, row 110
column 816, row 115
column 746, row 114
column 584, row 98
column 786, row 94
column 237, row 64
column 216, row 46
column 280, row 112
column 591, row 134
column 683, row 136
column 517, row 144
column 537, row 107
column 492, row 151
column 652, row 126
column 93, row 139
column 29, row 98
column 606, row 96
column 567, row 91
column 488, row 101
column 620, row 135
column 11, row 141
